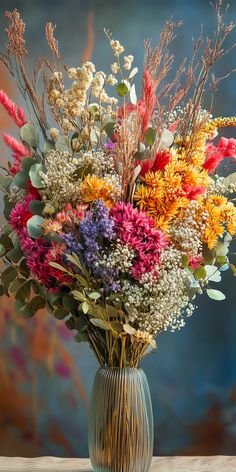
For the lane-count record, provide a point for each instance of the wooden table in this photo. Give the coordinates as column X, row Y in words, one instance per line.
column 159, row 464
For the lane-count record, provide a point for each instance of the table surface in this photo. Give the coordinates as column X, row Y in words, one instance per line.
column 159, row 464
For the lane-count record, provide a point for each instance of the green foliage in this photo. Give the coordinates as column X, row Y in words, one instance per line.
column 20, row 180
column 150, row 136
column 36, row 207
column 34, row 226
column 34, row 175
column 200, row 273
column 5, row 182
column 215, row 294
column 109, row 128
column 48, row 147
column 30, row 135
column 122, row 89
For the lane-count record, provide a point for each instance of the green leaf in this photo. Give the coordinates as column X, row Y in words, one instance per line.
column 133, row 95
column 200, row 273
column 81, row 324
column 185, row 262
column 94, row 295
column 7, row 276
column 5, row 181
column 70, row 323
column 6, row 241
column 8, row 205
column 27, row 163
column 85, row 307
column 150, row 136
column 129, row 329
column 37, row 303
column 15, row 254
column 100, row 323
column 60, row 313
column 36, row 207
column 34, row 174
column 20, row 180
column 14, row 286
column 62, row 143
column 1, row 290
column 109, row 128
column 78, row 295
column 81, row 337
column 2, row 250
column 215, row 294
column 29, row 135
column 116, row 326
column 233, row 268
column 24, row 290
column 49, row 146
column 69, row 302
column 166, row 139
column 34, row 226
column 23, row 309
column 213, row 274
column 58, row 266
column 122, row 89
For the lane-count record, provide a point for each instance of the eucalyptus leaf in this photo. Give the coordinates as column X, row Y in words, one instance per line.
column 36, row 207
column 48, row 147
column 129, row 329
column 166, row 139
column 78, row 295
column 29, row 135
column 62, row 144
column 34, row 226
column 133, row 72
column 35, row 176
column 15, row 254
column 69, row 302
column 230, row 179
column 85, row 307
column 5, row 181
column 122, row 89
column 20, row 180
column 215, row 294
column 150, row 136
column 94, row 295
column 212, row 273
column 60, row 313
column 200, row 273
column 27, row 163
column 8, row 205
column 109, row 128
column 133, row 95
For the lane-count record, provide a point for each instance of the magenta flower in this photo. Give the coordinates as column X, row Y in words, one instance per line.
column 137, row 229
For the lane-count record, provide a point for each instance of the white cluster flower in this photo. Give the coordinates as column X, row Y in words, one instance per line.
column 54, row 133
column 186, row 234
column 159, row 301
column 120, row 257
column 100, row 163
column 98, row 83
column 217, row 186
column 60, row 185
column 128, row 61
column 117, row 47
column 115, row 68
column 111, row 80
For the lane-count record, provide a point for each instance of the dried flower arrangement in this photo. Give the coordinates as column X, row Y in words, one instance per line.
column 116, row 216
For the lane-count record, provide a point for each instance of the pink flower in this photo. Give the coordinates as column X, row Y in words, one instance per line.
column 195, row 262
column 16, row 146
column 215, row 154
column 192, row 193
column 137, row 229
column 15, row 112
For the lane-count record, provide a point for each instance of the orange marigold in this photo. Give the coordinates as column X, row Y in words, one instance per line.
column 94, row 188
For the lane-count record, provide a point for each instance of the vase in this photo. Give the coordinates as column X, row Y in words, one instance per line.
column 120, row 421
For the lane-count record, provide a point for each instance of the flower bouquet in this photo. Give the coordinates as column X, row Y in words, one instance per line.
column 117, row 217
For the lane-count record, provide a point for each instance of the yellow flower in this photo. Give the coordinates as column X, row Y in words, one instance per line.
column 94, row 188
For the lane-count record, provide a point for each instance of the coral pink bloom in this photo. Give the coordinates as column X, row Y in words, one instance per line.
column 215, row 154
column 15, row 112
column 227, row 147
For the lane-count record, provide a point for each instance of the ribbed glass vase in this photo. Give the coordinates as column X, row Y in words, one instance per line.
column 120, row 421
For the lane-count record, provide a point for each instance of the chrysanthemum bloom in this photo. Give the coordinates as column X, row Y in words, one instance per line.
column 221, row 217
column 94, row 188
column 136, row 229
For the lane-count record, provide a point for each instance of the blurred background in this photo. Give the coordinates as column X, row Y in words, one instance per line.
column 45, row 377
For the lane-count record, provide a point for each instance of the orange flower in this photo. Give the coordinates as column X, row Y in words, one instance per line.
column 94, row 188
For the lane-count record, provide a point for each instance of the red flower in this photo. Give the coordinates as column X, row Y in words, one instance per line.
column 193, row 192
column 215, row 154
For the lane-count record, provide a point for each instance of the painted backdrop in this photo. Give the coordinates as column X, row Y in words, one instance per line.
column 45, row 377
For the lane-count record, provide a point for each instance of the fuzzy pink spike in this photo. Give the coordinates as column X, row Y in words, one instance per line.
column 15, row 112
column 16, row 146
